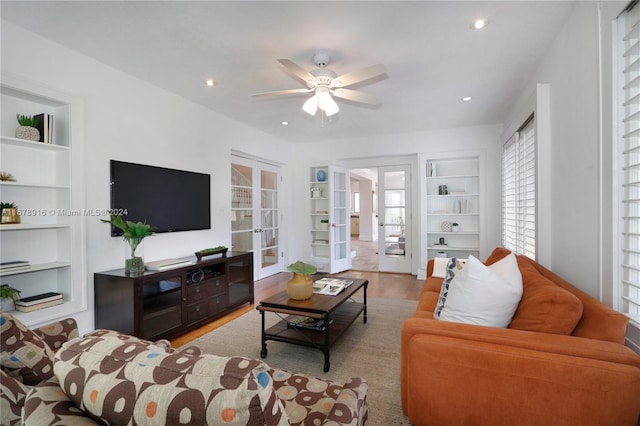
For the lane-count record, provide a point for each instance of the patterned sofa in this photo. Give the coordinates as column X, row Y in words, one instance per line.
column 109, row 378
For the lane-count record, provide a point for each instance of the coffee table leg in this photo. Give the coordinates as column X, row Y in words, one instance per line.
column 263, row 352
column 327, row 364
column 364, row 313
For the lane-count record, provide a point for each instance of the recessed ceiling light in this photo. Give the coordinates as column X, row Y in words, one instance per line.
column 211, row 82
column 479, row 24
column 284, row 123
column 466, row 99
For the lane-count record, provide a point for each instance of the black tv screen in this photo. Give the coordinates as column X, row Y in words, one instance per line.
column 167, row 199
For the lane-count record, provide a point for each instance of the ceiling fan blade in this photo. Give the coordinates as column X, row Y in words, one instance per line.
column 299, row 72
column 354, row 77
column 283, row 92
column 352, row 95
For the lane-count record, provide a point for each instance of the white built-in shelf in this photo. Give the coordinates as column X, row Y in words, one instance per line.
column 36, row 268
column 26, row 226
column 31, row 144
column 33, row 185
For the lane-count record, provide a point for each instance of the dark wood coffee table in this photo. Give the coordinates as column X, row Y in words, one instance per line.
column 333, row 309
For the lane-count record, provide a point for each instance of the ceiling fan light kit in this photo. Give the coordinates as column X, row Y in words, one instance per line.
column 324, row 84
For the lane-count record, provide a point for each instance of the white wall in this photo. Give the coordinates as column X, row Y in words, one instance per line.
column 576, row 200
column 405, row 149
column 131, row 120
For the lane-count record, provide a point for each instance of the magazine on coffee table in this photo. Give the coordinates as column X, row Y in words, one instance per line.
column 331, row 286
column 307, row 323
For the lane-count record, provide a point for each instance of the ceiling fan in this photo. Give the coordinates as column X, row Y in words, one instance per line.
column 324, row 84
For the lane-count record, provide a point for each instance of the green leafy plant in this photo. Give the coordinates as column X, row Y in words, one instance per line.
column 133, row 232
column 302, row 268
column 324, row 220
column 4, row 205
column 7, row 292
column 27, row 120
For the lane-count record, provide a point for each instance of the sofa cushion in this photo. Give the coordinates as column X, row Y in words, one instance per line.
column 484, row 295
column 452, row 268
column 545, row 307
column 23, row 354
column 135, row 382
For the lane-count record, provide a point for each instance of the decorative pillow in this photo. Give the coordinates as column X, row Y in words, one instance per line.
column 453, row 267
column 484, row 295
column 440, row 267
column 23, row 354
column 129, row 382
column 545, row 307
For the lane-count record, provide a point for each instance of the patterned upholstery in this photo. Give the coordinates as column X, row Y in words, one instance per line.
column 26, row 358
column 310, row 400
column 117, row 379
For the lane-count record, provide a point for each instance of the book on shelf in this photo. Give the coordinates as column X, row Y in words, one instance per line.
column 16, row 264
column 39, row 298
column 307, row 323
column 331, row 286
column 45, row 126
column 41, row 305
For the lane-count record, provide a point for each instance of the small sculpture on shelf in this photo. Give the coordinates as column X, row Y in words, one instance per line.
column 6, row 177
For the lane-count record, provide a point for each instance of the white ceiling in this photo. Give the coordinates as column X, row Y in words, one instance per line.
column 432, row 56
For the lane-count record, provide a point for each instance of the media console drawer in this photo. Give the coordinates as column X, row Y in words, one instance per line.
column 206, row 289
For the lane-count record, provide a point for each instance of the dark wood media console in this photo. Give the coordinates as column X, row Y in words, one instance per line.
column 166, row 304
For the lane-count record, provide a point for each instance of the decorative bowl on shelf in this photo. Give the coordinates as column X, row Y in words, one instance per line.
column 211, row 251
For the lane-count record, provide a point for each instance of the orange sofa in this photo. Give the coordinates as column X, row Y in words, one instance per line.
column 561, row 361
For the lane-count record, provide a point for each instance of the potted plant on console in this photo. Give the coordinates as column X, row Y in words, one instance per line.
column 133, row 233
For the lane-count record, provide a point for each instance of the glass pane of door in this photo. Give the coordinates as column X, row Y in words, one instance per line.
column 241, row 207
column 393, row 234
column 340, row 220
column 269, row 218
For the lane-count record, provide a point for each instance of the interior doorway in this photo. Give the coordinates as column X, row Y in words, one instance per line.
column 385, row 223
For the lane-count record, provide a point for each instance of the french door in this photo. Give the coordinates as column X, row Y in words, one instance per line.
column 255, row 213
column 394, row 230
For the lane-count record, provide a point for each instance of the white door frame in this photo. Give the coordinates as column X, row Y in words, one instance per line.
column 263, row 269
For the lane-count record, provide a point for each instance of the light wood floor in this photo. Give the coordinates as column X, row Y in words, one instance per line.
column 394, row 286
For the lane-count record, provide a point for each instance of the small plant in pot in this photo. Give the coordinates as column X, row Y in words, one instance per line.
column 300, row 287
column 9, row 213
column 8, row 297
column 324, row 223
column 455, row 227
column 27, row 128
column 133, row 233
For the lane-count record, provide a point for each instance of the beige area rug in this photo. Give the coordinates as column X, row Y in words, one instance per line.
column 370, row 350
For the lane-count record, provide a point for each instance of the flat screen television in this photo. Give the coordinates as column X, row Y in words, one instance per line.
column 167, row 199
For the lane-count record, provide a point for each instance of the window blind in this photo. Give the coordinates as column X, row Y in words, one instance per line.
column 519, row 191
column 629, row 113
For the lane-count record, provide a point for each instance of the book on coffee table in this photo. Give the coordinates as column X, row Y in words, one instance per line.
column 330, row 286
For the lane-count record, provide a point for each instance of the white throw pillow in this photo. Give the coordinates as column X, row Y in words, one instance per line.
column 440, row 267
column 484, row 295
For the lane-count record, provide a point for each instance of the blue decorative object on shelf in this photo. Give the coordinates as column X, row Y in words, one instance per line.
column 321, row 175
